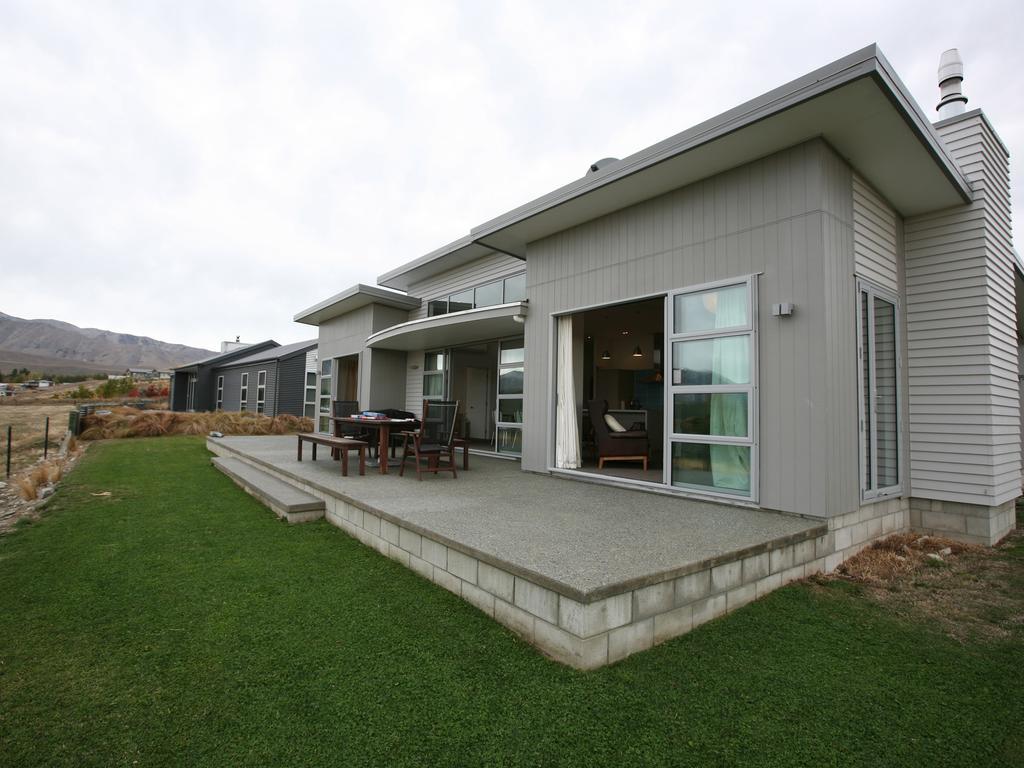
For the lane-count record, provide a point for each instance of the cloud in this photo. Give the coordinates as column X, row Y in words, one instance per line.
column 195, row 171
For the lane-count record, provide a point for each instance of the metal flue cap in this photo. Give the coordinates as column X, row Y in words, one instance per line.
column 604, row 161
column 951, row 76
column 950, row 65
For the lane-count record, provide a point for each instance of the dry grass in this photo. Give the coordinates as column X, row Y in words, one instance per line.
column 27, row 426
column 128, row 422
column 969, row 592
column 901, row 554
column 31, row 482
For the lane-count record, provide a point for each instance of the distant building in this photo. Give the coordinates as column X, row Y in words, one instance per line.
column 262, row 378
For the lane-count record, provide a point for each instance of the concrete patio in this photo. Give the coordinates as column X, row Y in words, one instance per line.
column 588, row 573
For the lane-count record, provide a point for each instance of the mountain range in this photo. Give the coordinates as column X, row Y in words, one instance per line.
column 52, row 346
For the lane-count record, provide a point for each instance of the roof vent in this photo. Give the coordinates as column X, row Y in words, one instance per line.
column 603, row 162
column 951, row 77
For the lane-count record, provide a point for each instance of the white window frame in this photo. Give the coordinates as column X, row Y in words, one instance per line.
column 868, row 421
column 309, row 396
column 751, row 389
column 220, row 393
column 190, row 392
column 325, row 401
column 261, row 391
column 499, row 397
column 442, row 374
column 243, row 393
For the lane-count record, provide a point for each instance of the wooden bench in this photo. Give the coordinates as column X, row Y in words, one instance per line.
column 340, row 444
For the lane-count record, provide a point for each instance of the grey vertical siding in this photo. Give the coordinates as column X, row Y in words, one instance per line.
column 789, row 217
column 875, row 237
column 961, row 328
column 233, row 385
column 290, row 385
column 345, row 335
column 478, row 272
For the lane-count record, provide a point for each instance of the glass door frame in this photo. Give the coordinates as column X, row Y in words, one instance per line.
column 868, row 422
column 671, row 389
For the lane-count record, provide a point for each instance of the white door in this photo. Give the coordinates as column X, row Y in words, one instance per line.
column 476, row 408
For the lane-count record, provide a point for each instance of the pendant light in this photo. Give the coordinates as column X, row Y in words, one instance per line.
column 606, row 355
column 637, row 352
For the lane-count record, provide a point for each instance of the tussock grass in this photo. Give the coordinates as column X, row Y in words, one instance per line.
column 130, row 422
column 28, row 484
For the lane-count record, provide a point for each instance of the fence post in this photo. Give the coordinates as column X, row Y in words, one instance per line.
column 8, row 450
column 46, row 438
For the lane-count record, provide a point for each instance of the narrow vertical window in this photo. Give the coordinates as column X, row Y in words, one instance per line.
column 309, row 402
column 243, row 397
column 879, row 382
column 435, row 365
column 220, row 392
column 326, row 394
column 261, row 391
column 511, row 366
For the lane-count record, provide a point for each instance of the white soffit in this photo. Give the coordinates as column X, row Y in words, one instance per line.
column 466, row 327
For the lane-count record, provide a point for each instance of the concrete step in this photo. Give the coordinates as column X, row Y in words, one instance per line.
column 289, row 502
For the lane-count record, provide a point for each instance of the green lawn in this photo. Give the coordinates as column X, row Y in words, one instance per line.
column 178, row 622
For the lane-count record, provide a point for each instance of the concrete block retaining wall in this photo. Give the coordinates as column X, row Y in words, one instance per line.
column 581, row 633
column 589, row 631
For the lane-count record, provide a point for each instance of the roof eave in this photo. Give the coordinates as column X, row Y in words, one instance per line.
column 357, row 296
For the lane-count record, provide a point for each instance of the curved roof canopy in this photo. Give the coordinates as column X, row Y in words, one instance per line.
column 466, row 327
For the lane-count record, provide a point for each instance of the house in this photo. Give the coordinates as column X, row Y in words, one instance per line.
column 142, row 374
column 261, row 378
column 193, row 385
column 272, row 381
column 808, row 304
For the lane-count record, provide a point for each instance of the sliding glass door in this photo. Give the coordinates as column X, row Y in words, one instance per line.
column 879, row 385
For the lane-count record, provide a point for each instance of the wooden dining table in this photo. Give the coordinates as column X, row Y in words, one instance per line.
column 383, row 427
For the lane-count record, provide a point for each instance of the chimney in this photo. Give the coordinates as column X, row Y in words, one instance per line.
column 951, row 77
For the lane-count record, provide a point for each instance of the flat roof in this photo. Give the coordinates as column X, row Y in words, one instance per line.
column 857, row 104
column 354, row 298
column 231, row 354
column 275, row 353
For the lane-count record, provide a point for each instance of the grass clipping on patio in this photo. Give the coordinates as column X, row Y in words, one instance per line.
column 130, row 422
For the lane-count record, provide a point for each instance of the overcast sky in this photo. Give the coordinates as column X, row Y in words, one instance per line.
column 194, row 171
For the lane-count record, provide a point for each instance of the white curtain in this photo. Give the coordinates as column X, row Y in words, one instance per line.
column 567, row 433
column 730, row 464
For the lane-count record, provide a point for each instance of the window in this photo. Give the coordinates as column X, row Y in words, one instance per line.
column 326, row 391
column 713, row 405
column 261, row 391
column 511, row 357
column 309, row 401
column 190, row 393
column 879, row 384
column 434, row 366
column 220, row 392
column 488, row 295
column 243, row 398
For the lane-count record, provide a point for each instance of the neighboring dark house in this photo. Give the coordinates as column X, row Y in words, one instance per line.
column 271, row 381
column 193, row 385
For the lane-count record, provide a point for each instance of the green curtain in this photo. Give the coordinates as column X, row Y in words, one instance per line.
column 730, row 464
